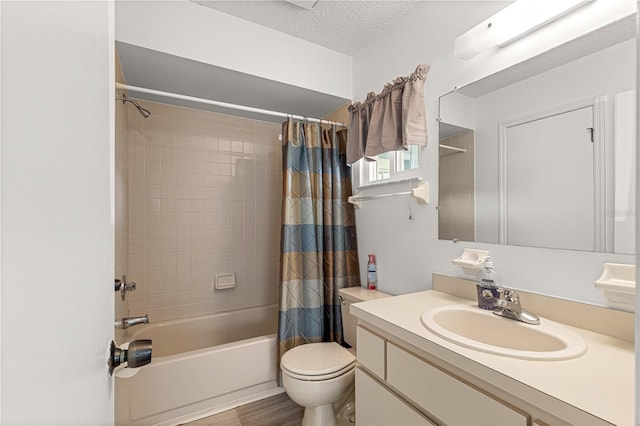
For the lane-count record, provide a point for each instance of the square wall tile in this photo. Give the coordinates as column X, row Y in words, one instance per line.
column 198, row 195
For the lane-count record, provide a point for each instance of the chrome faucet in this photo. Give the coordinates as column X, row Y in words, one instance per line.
column 508, row 305
column 128, row 322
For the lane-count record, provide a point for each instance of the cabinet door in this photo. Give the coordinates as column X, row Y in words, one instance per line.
column 376, row 406
column 371, row 352
column 445, row 397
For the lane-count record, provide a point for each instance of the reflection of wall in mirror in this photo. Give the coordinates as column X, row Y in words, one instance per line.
column 456, row 190
column 625, row 171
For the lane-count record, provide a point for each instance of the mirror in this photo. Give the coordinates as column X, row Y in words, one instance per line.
column 547, row 161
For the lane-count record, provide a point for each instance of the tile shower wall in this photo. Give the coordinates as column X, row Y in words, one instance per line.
column 456, row 182
column 204, row 199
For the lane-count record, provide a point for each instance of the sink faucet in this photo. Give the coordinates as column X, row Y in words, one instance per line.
column 128, row 322
column 508, row 305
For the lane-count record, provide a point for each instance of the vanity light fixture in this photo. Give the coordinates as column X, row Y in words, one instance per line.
column 511, row 23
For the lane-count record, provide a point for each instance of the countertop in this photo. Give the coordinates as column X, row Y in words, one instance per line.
column 600, row 382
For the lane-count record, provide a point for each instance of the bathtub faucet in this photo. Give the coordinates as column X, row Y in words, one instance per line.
column 128, row 322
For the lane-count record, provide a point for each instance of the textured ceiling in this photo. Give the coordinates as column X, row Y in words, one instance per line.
column 343, row 26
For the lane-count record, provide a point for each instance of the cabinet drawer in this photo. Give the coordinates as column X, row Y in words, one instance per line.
column 448, row 399
column 371, row 352
column 375, row 405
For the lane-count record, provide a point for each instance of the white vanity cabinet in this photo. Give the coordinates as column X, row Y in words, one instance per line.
column 406, row 372
column 443, row 396
column 378, row 406
column 409, row 390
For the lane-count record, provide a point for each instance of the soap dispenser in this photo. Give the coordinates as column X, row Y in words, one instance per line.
column 487, row 285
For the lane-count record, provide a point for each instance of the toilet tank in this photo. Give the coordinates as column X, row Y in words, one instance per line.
column 354, row 295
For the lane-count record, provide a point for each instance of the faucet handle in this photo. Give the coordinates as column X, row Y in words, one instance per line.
column 506, row 295
column 123, row 286
column 511, row 296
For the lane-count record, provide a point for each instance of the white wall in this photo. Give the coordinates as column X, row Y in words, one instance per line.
column 192, row 31
column 409, row 250
column 625, row 142
column 458, row 110
column 57, row 218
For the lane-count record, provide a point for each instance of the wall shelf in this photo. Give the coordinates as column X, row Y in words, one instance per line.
column 420, row 193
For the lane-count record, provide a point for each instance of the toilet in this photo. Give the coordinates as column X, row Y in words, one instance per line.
column 320, row 376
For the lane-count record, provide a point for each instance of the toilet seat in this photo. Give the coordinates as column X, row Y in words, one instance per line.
column 319, row 378
column 317, row 361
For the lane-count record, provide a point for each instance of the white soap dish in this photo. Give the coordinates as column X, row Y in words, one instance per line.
column 618, row 281
column 471, row 260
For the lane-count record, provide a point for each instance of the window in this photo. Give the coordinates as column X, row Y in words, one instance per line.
column 390, row 166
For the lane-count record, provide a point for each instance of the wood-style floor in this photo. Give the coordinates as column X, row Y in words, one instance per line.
column 277, row 410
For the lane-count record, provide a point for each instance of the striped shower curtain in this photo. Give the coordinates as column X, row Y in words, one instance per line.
column 319, row 250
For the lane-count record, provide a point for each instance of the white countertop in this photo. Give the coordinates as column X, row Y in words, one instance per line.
column 600, row 382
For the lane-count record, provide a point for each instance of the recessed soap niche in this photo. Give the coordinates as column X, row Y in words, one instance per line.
column 224, row 281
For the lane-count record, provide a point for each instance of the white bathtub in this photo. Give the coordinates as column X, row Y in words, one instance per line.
column 200, row 366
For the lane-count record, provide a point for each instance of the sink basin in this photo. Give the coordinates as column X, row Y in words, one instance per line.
column 481, row 330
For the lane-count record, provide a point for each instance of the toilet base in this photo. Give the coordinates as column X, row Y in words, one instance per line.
column 341, row 413
column 319, row 416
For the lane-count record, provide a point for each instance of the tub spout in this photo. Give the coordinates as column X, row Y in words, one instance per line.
column 128, row 322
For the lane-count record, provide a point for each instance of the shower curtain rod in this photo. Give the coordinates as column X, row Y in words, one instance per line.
column 224, row 104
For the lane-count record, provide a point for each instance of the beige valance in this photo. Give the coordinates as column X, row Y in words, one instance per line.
column 389, row 121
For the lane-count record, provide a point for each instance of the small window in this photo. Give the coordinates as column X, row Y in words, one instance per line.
column 390, row 166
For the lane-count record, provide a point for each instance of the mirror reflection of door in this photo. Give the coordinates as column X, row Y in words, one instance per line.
column 547, row 185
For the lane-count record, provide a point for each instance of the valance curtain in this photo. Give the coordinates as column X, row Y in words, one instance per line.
column 390, row 121
column 319, row 252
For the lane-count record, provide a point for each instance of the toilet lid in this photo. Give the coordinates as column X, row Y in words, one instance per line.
column 317, row 359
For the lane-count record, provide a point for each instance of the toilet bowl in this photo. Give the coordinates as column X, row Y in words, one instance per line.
column 320, row 376
column 316, row 376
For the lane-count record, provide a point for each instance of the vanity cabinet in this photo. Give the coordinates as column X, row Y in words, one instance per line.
column 413, row 391
column 371, row 352
column 399, row 359
column 378, row 406
column 445, row 397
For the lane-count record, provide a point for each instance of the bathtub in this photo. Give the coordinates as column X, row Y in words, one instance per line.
column 200, row 366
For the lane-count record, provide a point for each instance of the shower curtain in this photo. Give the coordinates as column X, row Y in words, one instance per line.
column 319, row 252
